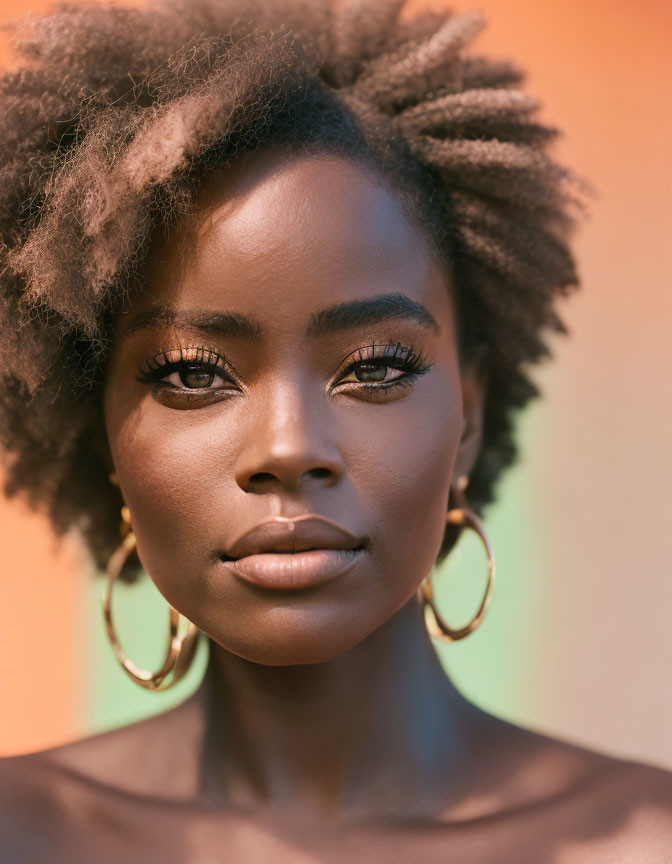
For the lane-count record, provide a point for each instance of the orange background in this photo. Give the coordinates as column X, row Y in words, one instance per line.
column 579, row 643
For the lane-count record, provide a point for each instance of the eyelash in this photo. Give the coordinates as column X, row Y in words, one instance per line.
column 160, row 365
column 394, row 355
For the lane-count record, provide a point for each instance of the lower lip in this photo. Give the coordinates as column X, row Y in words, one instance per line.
column 292, row 570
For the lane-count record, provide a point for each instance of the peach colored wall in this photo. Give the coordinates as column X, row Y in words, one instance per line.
column 40, row 621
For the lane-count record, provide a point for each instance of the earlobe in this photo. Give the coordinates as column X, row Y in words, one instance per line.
column 474, row 379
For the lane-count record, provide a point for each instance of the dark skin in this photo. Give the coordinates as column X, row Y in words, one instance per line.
column 325, row 728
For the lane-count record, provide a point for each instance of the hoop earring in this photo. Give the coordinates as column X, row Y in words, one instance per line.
column 436, row 624
column 181, row 647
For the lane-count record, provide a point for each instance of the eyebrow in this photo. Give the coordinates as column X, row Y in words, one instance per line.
column 223, row 323
column 385, row 307
column 341, row 316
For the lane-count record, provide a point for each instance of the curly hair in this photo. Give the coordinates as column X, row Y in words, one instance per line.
column 118, row 115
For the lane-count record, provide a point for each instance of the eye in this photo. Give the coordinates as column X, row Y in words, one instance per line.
column 381, row 368
column 381, row 372
column 369, row 371
column 188, row 371
column 194, row 377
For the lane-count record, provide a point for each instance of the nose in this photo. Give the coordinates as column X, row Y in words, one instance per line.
column 288, row 445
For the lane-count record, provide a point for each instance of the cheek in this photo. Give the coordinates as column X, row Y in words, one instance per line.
column 170, row 480
column 402, row 466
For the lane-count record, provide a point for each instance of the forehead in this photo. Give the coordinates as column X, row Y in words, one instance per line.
column 280, row 234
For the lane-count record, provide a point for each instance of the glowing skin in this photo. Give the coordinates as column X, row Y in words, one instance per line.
column 325, row 729
column 284, row 431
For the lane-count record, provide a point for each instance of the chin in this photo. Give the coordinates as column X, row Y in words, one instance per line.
column 297, row 627
column 290, row 636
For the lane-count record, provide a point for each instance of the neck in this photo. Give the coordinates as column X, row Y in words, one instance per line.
column 375, row 730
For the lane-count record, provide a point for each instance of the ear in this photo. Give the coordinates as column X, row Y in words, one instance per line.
column 474, row 376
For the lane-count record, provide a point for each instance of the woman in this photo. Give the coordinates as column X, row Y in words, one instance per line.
column 273, row 279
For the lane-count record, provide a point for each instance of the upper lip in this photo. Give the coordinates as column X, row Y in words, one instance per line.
column 282, row 534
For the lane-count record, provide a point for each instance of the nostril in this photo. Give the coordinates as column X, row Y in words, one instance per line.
column 262, row 477
column 319, row 473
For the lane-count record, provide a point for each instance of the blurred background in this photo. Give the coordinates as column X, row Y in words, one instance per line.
column 578, row 642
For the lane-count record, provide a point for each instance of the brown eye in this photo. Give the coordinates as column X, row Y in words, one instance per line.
column 196, row 377
column 370, row 371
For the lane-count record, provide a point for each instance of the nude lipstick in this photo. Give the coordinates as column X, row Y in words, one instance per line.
column 289, row 554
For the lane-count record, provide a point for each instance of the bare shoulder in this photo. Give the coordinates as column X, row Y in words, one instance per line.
column 596, row 807
column 154, row 755
column 618, row 814
column 68, row 798
column 639, row 782
column 629, row 813
column 30, row 799
column 578, row 805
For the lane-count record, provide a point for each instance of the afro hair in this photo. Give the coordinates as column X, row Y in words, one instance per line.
column 115, row 117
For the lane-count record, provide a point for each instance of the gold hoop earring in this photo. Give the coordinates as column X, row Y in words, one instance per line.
column 436, row 624
column 181, row 646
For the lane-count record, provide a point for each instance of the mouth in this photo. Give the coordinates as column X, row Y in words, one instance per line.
column 293, row 570
column 295, row 553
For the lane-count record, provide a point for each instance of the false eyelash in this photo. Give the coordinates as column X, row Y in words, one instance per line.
column 161, row 365
column 394, row 355
column 409, row 362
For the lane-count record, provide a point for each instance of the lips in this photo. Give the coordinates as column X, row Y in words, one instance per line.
column 294, row 553
column 282, row 534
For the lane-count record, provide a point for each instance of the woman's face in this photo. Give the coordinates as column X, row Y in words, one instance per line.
column 292, row 352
